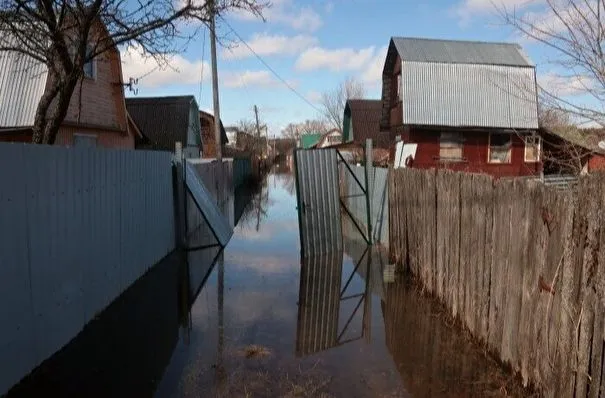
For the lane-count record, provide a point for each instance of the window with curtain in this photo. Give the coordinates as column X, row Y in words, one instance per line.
column 532, row 148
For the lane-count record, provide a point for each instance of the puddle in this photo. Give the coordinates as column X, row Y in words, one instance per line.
column 261, row 323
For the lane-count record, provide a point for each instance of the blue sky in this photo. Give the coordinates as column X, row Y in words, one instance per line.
column 314, row 45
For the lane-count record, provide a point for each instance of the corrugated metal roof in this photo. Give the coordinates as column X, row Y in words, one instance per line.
column 22, row 83
column 163, row 120
column 460, row 52
column 463, row 95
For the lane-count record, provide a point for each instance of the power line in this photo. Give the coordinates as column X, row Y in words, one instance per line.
column 269, row 67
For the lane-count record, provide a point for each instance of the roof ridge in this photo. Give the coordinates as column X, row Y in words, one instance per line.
column 457, row 40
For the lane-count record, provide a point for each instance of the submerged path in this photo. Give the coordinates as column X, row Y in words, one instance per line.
column 259, row 323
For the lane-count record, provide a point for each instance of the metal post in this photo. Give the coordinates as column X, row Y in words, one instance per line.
column 217, row 112
column 369, row 187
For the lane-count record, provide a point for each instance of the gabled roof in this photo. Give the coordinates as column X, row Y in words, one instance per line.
column 22, row 84
column 308, row 140
column 163, row 120
column 460, row 52
column 365, row 120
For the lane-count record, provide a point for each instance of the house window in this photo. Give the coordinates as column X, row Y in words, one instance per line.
column 532, row 148
column 399, row 94
column 450, row 146
column 500, row 148
column 85, row 141
column 90, row 66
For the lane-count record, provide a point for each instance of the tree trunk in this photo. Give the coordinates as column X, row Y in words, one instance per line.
column 52, row 109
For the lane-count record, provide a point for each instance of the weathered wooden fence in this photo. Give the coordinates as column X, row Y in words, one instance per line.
column 520, row 264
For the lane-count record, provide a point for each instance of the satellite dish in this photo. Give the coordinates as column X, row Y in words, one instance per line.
column 601, row 145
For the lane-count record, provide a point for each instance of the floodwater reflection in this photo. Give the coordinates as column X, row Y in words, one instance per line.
column 256, row 320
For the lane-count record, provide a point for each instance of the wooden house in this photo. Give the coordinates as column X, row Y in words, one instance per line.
column 470, row 106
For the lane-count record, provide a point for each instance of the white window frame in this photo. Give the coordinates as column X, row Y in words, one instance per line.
column 399, row 88
column 489, row 149
column 537, row 140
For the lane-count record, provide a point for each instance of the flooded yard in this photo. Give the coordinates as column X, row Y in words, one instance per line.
column 256, row 321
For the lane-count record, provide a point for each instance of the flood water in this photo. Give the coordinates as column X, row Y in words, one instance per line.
column 256, row 321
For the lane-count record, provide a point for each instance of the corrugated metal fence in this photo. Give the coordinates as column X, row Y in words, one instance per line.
column 77, row 227
column 356, row 202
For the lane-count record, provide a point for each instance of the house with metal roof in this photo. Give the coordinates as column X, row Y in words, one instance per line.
column 208, row 138
column 470, row 106
column 164, row 121
column 361, row 121
column 96, row 115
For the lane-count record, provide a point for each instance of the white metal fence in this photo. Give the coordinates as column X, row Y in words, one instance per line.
column 77, row 228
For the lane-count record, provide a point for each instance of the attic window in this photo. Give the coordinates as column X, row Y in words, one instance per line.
column 399, row 94
column 500, row 148
column 90, row 67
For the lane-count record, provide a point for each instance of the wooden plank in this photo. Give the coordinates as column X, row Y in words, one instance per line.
column 488, row 198
column 455, row 239
column 431, row 230
column 466, row 250
column 442, row 247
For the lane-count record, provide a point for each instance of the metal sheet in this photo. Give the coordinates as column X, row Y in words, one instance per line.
column 442, row 94
column 319, row 303
column 317, row 187
column 456, row 51
column 22, row 83
column 207, row 205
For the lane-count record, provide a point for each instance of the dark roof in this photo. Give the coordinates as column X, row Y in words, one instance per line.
column 460, row 52
column 365, row 120
column 587, row 138
column 162, row 120
column 208, row 135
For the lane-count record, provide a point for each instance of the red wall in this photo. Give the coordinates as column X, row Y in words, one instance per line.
column 474, row 152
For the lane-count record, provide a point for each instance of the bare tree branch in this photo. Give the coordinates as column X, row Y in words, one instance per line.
column 333, row 102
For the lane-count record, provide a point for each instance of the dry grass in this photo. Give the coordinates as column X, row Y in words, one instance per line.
column 255, row 351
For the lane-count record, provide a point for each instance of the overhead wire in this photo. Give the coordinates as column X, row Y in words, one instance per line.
column 288, row 85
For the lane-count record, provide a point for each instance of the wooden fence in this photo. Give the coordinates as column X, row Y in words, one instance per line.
column 520, row 264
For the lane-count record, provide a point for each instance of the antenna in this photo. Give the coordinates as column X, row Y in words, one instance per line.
column 131, row 83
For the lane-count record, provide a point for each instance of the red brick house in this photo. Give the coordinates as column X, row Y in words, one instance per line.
column 97, row 112
column 470, row 106
column 208, row 138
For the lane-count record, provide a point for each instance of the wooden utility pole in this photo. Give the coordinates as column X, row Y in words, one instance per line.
column 217, row 112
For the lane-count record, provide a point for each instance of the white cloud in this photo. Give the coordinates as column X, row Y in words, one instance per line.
column 314, row 96
column 372, row 75
column 337, row 60
column 248, row 79
column 287, row 13
column 466, row 9
column 178, row 71
column 264, row 45
column 564, row 85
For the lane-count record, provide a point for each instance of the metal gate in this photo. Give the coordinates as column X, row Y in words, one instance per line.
column 317, row 188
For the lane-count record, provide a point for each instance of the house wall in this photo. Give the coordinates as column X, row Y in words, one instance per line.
column 105, row 139
column 194, row 133
column 100, row 101
column 596, row 162
column 78, row 227
column 474, row 152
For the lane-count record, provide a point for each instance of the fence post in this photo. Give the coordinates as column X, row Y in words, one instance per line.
column 369, row 187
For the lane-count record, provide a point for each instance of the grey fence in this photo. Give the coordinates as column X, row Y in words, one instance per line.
column 77, row 227
column 242, row 171
column 355, row 200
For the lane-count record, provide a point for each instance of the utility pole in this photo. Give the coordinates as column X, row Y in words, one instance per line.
column 217, row 112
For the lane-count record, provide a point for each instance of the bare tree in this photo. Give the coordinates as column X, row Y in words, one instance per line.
column 575, row 29
column 295, row 130
column 333, row 102
column 65, row 35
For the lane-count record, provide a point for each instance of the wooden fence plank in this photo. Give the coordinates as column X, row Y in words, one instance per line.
column 443, row 228
column 466, row 250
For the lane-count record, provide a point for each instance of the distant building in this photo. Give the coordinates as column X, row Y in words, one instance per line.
column 164, row 121
column 231, row 132
column 309, row 140
column 208, row 135
column 470, row 106
column 362, row 121
column 331, row 138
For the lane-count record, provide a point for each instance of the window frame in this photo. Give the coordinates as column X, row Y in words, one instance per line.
column 452, row 145
column 86, row 135
column 538, row 143
column 489, row 149
column 93, row 65
column 399, row 90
